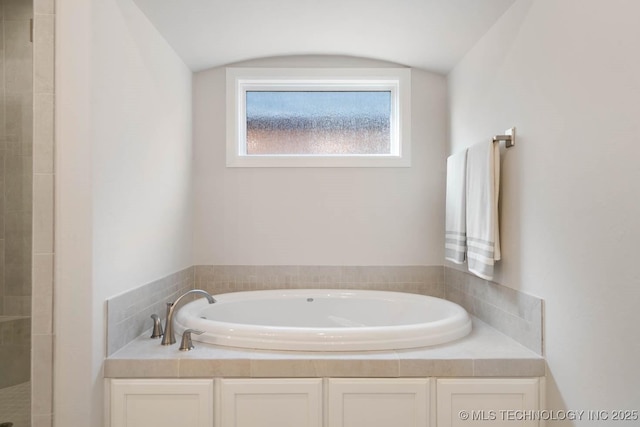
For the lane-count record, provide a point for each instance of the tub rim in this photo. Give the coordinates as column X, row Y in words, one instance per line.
column 295, row 338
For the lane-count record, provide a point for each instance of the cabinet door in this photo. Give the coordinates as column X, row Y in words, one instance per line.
column 482, row 401
column 378, row 402
column 161, row 403
column 271, row 402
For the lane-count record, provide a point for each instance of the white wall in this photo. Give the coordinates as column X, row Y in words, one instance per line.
column 566, row 74
column 123, row 185
column 319, row 216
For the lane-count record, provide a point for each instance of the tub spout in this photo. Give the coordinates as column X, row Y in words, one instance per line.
column 169, row 336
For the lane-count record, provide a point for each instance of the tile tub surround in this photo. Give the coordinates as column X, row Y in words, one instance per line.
column 129, row 314
column 16, row 158
column 218, row 279
column 483, row 353
column 513, row 313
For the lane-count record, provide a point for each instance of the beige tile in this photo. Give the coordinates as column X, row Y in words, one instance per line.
column 3, row 131
column 42, row 314
column 455, row 278
column 476, row 287
column 436, row 367
column 332, row 277
column 43, row 7
column 42, row 420
column 18, row 9
column 23, row 332
column 2, row 216
column 18, row 119
column 204, row 274
column 509, row 368
column 353, row 275
column 116, row 338
column 420, row 274
column 273, row 368
column 18, row 188
column 514, row 313
column 15, row 332
column 526, row 333
column 146, row 368
column 434, row 274
column 15, row 365
column 486, row 350
column 43, row 153
column 17, row 244
column 117, row 307
column 43, row 213
column 43, row 274
column 278, row 277
column 17, row 281
column 18, row 56
column 42, row 373
column 193, row 368
column 461, row 299
column 434, row 290
column 17, row 306
column 43, row 54
column 22, row 220
column 2, row 167
column 361, row 367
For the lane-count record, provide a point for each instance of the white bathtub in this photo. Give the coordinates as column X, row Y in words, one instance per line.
column 324, row 320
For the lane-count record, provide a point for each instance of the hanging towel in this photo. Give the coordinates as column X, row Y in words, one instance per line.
column 455, row 245
column 483, row 188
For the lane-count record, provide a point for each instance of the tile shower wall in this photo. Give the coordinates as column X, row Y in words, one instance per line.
column 513, row 313
column 16, row 156
column 15, row 344
column 16, row 180
column 42, row 338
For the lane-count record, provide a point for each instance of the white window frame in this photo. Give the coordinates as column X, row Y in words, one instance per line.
column 395, row 80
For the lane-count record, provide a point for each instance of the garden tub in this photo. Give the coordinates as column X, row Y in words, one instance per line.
column 324, row 320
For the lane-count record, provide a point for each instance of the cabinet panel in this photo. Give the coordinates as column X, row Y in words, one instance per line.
column 479, row 402
column 161, row 403
column 378, row 402
column 271, row 402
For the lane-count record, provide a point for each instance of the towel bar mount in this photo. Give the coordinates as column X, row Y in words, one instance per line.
column 509, row 137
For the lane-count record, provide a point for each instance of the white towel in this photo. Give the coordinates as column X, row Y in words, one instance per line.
column 455, row 245
column 483, row 190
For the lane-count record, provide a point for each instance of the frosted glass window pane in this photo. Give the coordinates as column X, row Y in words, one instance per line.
column 318, row 122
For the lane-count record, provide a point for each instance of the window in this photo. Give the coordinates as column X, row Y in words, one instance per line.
column 318, row 117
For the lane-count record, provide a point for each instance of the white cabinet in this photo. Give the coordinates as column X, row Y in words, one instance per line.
column 332, row 402
column 483, row 401
column 161, row 403
column 377, row 402
column 271, row 402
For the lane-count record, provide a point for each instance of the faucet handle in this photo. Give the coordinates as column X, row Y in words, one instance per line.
column 157, row 327
column 186, row 344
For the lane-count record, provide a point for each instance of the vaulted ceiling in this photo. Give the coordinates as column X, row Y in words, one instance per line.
column 428, row 34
